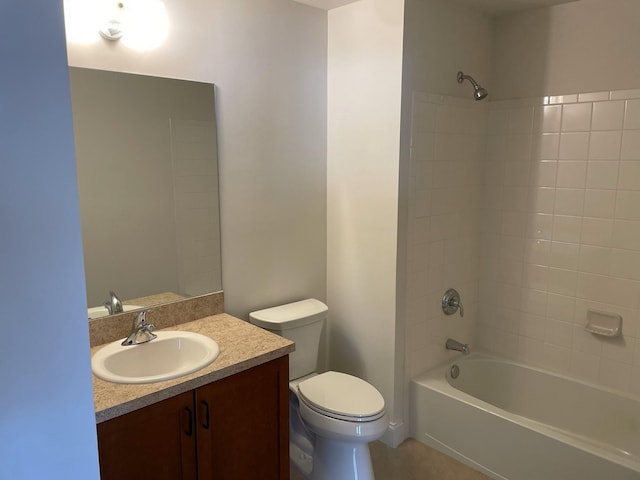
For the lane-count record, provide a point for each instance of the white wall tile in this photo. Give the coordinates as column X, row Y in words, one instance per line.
column 571, row 174
column 599, row 203
column 605, row 145
column 567, row 228
column 559, row 333
column 630, row 145
column 624, row 94
column 532, row 326
column 584, row 341
column 596, row 231
column 628, row 205
column 574, row 146
column 603, row 174
column 543, row 173
column 625, row 264
column 626, row 234
column 537, row 251
column 570, row 239
column 534, row 301
column 535, row 276
column 547, row 118
column 564, row 255
column 546, row 146
column 540, row 225
column 572, row 98
column 595, row 259
column 606, row 289
column 608, row 115
column 561, row 307
column 593, row 96
column 629, row 178
column 542, row 200
column 632, row 115
column 619, row 349
column 569, row 201
column 576, row 117
column 562, row 282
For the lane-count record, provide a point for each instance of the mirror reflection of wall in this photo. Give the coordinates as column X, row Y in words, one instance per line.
column 148, row 184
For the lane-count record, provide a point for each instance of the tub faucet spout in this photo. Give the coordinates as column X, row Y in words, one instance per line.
column 457, row 346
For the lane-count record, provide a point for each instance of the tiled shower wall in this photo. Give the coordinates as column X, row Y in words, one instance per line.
column 560, row 229
column 447, row 150
column 531, row 209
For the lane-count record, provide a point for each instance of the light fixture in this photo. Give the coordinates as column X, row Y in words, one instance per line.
column 113, row 28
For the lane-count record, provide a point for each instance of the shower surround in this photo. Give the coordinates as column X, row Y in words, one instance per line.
column 530, row 208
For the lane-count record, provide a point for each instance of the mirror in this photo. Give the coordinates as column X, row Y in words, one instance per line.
column 148, row 186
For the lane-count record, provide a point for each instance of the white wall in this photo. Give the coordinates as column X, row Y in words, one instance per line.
column 47, row 426
column 364, row 85
column 267, row 59
column 585, row 46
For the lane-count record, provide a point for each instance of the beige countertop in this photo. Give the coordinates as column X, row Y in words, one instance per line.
column 242, row 346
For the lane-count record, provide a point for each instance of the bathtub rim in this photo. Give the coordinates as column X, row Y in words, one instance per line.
column 437, row 379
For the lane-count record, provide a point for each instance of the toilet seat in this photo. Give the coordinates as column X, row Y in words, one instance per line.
column 343, row 397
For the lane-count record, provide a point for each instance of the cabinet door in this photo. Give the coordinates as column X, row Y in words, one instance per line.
column 154, row 443
column 243, row 425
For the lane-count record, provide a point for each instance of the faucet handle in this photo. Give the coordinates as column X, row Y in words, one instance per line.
column 451, row 302
column 141, row 319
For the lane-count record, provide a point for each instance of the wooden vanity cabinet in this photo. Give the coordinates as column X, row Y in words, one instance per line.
column 234, row 428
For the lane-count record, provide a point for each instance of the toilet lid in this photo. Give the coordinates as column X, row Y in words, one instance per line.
column 341, row 394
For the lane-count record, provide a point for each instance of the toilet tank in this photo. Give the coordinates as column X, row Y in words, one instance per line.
column 300, row 322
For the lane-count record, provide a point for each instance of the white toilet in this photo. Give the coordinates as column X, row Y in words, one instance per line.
column 333, row 416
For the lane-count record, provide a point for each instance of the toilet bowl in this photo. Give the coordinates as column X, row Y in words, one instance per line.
column 333, row 415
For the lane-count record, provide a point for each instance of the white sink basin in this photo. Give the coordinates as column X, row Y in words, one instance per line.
column 97, row 312
column 171, row 355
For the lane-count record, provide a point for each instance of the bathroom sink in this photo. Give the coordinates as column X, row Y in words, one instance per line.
column 97, row 312
column 171, row 355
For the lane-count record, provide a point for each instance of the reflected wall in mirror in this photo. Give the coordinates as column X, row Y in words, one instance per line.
column 148, row 185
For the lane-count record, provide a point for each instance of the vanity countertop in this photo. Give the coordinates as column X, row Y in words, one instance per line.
column 242, row 346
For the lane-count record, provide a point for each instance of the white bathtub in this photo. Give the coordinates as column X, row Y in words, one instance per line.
column 515, row 422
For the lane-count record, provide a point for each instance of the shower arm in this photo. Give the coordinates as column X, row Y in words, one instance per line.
column 462, row 77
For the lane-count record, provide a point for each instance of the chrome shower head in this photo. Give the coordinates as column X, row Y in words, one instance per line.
column 478, row 92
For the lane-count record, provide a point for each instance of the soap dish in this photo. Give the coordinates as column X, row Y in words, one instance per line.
column 603, row 323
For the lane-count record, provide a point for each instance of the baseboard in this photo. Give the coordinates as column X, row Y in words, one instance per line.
column 397, row 433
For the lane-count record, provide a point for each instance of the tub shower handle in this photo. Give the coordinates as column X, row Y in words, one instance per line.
column 451, row 302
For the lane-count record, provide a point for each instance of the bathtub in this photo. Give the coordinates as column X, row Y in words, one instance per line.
column 514, row 422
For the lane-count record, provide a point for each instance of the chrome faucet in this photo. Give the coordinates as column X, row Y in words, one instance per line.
column 113, row 305
column 457, row 346
column 140, row 331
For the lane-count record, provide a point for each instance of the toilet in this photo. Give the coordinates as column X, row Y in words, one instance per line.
column 332, row 416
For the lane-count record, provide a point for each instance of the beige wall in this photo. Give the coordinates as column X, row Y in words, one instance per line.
column 585, row 46
column 364, row 83
column 268, row 62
